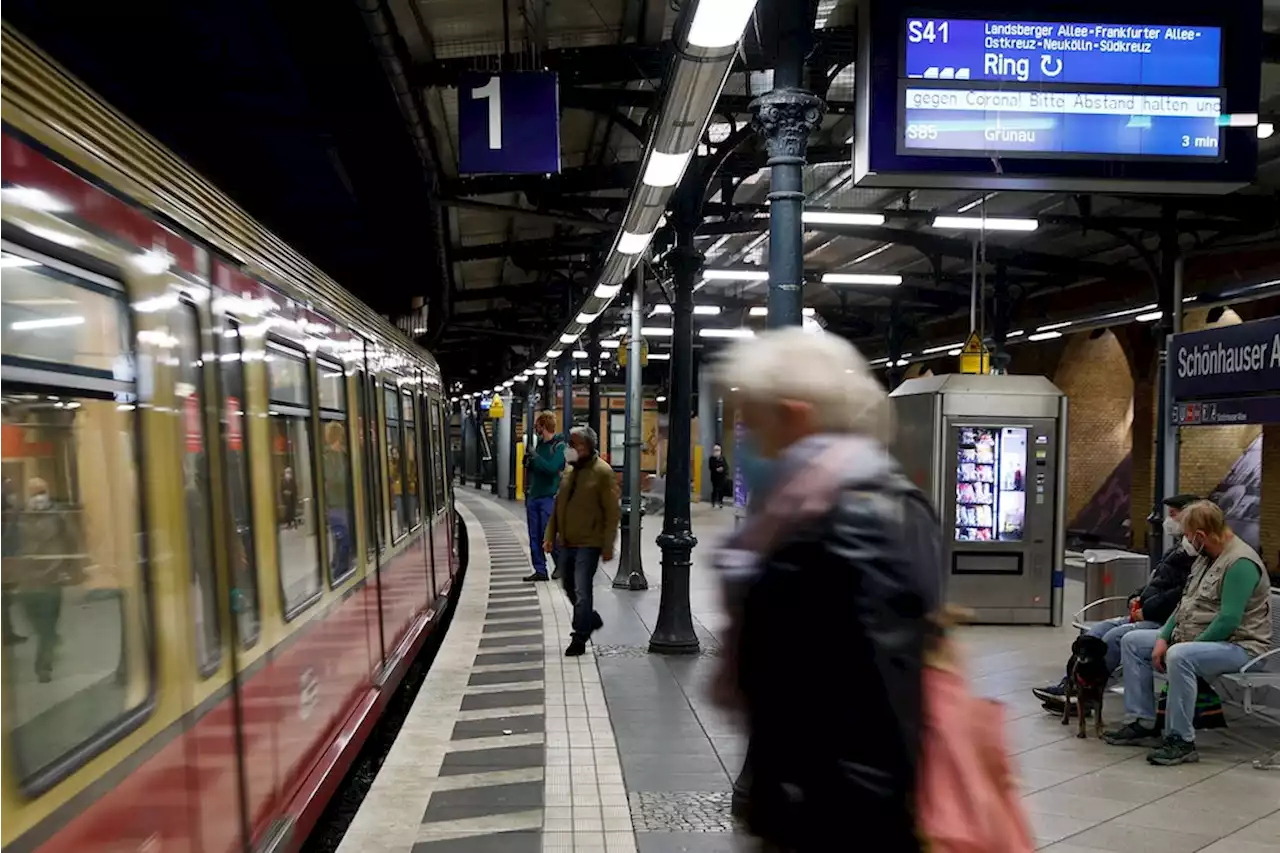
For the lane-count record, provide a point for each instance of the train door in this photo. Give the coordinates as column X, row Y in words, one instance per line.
column 367, row 545
column 254, row 718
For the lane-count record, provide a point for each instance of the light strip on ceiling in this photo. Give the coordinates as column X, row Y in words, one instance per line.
column 606, row 291
column 719, row 23
column 665, row 170
column 727, row 333
column 987, row 223
column 735, row 275
column 631, row 243
column 763, row 311
column 841, row 217
column 861, row 278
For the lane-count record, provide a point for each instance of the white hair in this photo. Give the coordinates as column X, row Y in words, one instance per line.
column 818, row 368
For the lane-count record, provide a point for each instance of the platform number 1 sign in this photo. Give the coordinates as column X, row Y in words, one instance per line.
column 508, row 123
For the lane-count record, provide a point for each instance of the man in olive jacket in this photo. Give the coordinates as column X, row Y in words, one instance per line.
column 585, row 520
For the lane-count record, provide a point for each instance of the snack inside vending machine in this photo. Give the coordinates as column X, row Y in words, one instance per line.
column 990, row 453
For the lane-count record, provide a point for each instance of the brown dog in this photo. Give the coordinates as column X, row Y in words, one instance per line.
column 1087, row 676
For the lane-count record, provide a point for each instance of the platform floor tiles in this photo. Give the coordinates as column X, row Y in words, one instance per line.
column 513, row 748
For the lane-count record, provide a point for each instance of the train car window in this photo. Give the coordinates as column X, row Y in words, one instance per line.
column 78, row 653
column 413, row 510
column 244, row 592
column 195, row 487
column 437, row 457
column 362, row 447
column 376, row 493
column 297, row 539
column 336, row 457
column 395, row 469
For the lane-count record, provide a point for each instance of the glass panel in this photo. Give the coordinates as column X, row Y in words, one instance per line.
column 337, row 499
column 377, row 495
column 980, row 466
column 366, row 464
column 75, row 650
column 295, row 510
column 48, row 317
column 195, row 486
column 287, row 375
column 333, row 387
column 406, row 405
column 437, row 458
column 617, row 438
column 1011, row 503
column 391, row 404
column 397, row 484
column 244, row 592
column 412, row 510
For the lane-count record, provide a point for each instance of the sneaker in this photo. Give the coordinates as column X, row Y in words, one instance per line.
column 577, row 646
column 1132, row 734
column 536, row 576
column 1052, row 694
column 555, row 575
column 1173, row 751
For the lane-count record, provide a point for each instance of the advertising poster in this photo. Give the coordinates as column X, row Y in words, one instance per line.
column 1240, row 494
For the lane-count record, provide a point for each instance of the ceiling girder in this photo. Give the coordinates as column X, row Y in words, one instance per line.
column 541, row 248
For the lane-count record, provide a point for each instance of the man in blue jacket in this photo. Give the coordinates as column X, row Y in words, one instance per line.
column 1149, row 607
column 544, row 465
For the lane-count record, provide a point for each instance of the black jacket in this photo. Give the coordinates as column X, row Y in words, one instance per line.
column 1160, row 597
column 831, row 657
column 719, row 468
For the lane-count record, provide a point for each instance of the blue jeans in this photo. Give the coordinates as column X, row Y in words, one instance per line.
column 1112, row 631
column 537, row 513
column 578, row 571
column 340, row 525
column 1183, row 663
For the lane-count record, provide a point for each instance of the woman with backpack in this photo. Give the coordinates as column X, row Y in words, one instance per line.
column 833, row 585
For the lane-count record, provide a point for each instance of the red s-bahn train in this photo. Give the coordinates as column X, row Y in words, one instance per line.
column 227, row 523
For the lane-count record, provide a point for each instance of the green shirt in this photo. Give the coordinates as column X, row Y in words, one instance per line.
column 546, row 464
column 1237, row 586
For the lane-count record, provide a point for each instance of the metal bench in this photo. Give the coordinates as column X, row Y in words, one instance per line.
column 1259, row 679
column 1081, row 624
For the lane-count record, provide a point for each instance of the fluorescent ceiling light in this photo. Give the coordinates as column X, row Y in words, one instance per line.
column 662, row 308
column 860, row 278
column 954, row 352
column 508, row 383
column 46, row 323
column 9, row 261
column 989, row 223
column 871, row 254
column 35, row 199
column 701, row 310
column 656, row 331
column 902, row 362
column 736, row 275
column 1044, row 336
column 719, row 23
column 606, row 291
column 610, row 344
column 943, row 348
column 554, row 353
column 540, row 365
column 1149, row 317
column 579, row 353
column 631, row 243
column 419, row 330
column 1127, row 311
column 586, row 319
column 664, row 170
column 1049, row 327
column 726, row 333
column 604, row 355
column 659, row 356
column 1017, row 333
column 763, row 311
column 661, row 398
column 873, row 362
column 841, row 217
column 971, row 205
column 568, row 338
column 1265, row 130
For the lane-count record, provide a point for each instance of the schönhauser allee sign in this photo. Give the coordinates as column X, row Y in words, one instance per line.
column 1227, row 360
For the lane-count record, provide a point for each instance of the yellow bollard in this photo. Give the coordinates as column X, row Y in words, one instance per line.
column 519, row 470
column 697, row 472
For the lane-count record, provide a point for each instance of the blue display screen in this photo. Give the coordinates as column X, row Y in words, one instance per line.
column 1046, row 52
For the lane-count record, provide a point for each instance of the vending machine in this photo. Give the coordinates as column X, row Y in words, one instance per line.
column 990, row 452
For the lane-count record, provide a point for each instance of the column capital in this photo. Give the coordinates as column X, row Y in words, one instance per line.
column 786, row 118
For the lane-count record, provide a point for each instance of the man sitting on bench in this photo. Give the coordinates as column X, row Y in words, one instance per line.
column 1149, row 607
column 1222, row 622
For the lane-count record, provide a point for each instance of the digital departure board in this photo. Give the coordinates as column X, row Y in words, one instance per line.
column 1059, row 89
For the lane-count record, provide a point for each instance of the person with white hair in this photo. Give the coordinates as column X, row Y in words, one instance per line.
column 584, row 520
column 829, row 583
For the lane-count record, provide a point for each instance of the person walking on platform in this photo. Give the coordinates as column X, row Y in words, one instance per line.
column 829, row 583
column 719, row 475
column 543, row 466
column 1149, row 607
column 585, row 521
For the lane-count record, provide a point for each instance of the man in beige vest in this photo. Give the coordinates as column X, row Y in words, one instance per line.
column 1222, row 621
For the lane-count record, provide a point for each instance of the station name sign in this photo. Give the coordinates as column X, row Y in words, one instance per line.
column 1062, row 90
column 1227, row 360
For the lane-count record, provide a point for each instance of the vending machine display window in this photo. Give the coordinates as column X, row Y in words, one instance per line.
column 991, row 474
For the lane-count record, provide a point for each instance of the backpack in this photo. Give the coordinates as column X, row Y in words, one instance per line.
column 967, row 798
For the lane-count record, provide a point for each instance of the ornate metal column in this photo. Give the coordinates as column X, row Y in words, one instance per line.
column 593, row 394
column 785, row 118
column 630, row 562
column 673, row 632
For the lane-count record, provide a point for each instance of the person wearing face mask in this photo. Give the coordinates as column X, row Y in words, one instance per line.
column 836, row 568
column 544, row 465
column 1222, row 621
column 719, row 470
column 46, row 569
column 584, row 523
column 1149, row 607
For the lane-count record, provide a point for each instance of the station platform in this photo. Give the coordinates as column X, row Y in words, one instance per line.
column 512, row 748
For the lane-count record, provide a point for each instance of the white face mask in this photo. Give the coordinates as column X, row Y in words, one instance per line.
column 1190, row 547
column 570, row 455
column 1173, row 527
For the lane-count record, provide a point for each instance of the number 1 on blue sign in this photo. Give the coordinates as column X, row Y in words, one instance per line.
column 492, row 92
